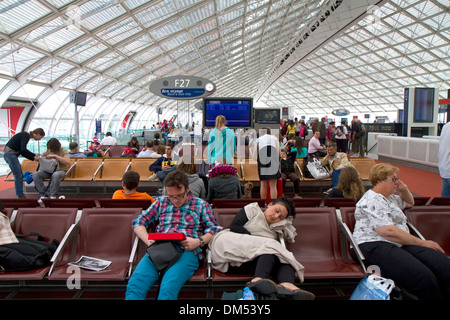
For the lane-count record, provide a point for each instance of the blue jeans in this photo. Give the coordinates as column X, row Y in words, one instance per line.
column 445, row 187
column 173, row 280
column 163, row 174
column 53, row 186
column 13, row 162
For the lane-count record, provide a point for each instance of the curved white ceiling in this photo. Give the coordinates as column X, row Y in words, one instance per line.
column 115, row 48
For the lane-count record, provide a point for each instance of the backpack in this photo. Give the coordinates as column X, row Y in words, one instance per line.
column 27, row 254
column 303, row 132
column 340, row 131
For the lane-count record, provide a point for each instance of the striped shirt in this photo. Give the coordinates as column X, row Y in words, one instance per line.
column 6, row 234
column 193, row 219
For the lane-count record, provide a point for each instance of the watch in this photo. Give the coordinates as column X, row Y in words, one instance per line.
column 202, row 242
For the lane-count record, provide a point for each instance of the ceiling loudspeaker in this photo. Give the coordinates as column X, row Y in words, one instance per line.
column 79, row 98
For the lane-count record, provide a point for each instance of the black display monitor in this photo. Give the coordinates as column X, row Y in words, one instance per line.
column 423, row 105
column 237, row 111
column 267, row 116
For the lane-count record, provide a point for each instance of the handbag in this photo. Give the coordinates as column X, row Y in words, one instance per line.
column 164, row 254
column 373, row 287
column 48, row 165
column 317, row 170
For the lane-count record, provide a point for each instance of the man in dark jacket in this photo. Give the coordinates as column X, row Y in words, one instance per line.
column 163, row 165
column 288, row 172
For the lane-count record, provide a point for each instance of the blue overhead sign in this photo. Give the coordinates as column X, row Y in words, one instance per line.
column 182, row 87
column 182, row 93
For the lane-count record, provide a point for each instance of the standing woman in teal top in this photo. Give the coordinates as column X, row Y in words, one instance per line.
column 222, row 143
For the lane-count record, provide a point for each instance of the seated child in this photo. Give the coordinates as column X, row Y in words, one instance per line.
column 288, row 172
column 130, row 182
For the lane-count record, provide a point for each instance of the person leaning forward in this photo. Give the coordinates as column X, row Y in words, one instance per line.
column 178, row 211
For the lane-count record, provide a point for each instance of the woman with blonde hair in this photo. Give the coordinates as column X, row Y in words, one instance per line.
column 349, row 186
column 381, row 232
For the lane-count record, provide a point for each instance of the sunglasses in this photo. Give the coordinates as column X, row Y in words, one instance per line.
column 394, row 179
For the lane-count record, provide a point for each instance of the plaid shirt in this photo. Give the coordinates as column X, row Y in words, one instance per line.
column 194, row 218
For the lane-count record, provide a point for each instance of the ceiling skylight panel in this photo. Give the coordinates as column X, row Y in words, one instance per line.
column 119, row 31
column 423, row 9
column 97, row 84
column 76, row 79
column 156, row 13
column 83, row 51
column 167, row 29
column 439, row 22
column 18, row 60
column 49, row 71
column 120, row 69
column 105, row 61
column 125, row 92
column 145, row 81
column 93, row 14
column 136, row 94
column 132, row 4
column 186, row 50
column 228, row 16
column 432, row 41
column 176, row 42
column 112, row 89
column 415, row 31
column 15, row 15
column 147, row 54
column 202, row 28
column 198, row 15
column 207, row 43
column 224, row 4
column 135, row 45
column 157, row 63
column 188, row 58
column 421, row 57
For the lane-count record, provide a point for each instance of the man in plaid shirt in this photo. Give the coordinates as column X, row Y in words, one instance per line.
column 179, row 211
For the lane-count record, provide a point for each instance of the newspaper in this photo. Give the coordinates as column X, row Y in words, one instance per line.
column 90, row 263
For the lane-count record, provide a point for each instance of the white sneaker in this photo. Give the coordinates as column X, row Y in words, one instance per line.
column 61, row 197
column 52, row 197
column 328, row 191
column 40, row 199
column 153, row 177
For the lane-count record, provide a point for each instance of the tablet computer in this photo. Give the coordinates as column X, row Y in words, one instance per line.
column 166, row 236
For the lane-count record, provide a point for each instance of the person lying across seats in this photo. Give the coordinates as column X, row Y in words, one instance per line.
column 419, row 266
column 251, row 246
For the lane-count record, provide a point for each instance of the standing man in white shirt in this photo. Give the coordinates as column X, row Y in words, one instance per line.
column 109, row 140
column 444, row 159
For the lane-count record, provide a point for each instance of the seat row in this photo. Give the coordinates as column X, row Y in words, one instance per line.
column 112, row 169
column 81, row 203
column 322, row 244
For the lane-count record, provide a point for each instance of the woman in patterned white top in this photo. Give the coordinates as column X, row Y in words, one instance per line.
column 419, row 266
